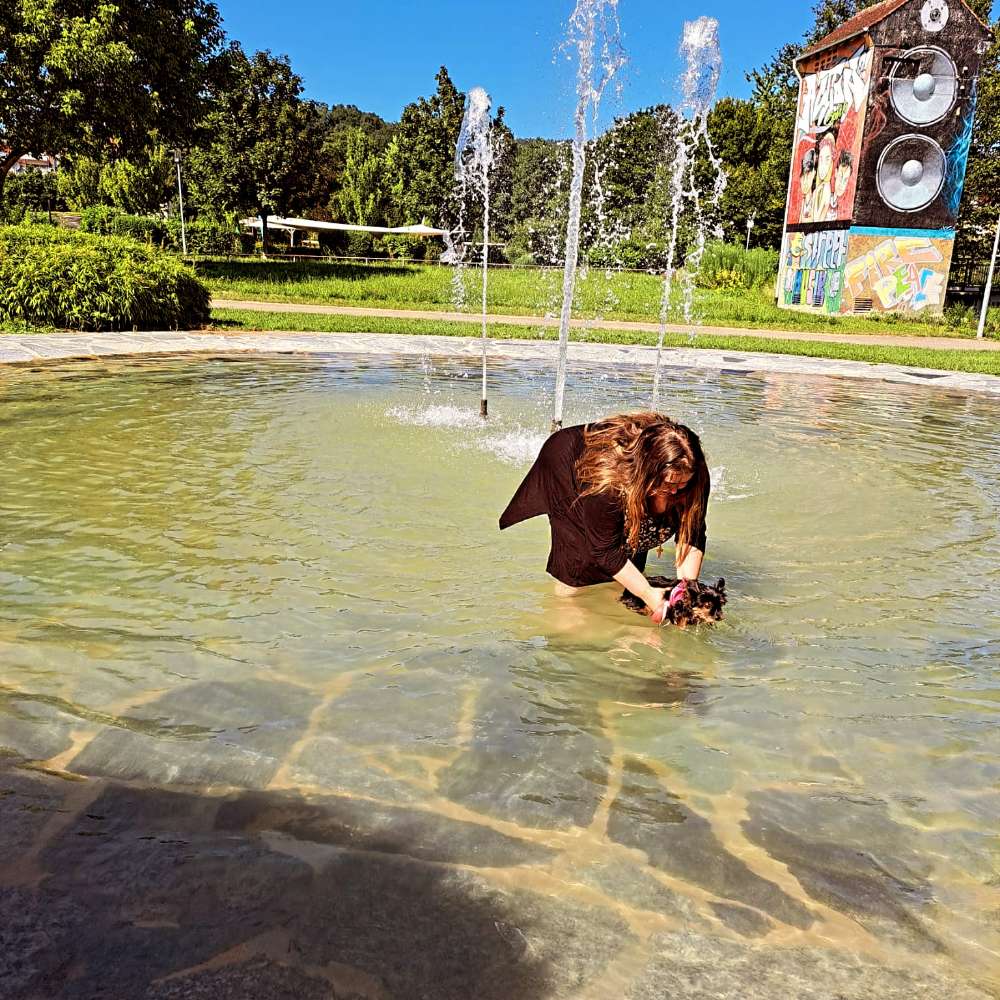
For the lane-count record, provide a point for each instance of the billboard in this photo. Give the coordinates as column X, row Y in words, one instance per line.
column 828, row 130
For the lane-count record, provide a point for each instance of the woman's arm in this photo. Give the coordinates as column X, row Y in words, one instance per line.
column 634, row 581
column 689, row 568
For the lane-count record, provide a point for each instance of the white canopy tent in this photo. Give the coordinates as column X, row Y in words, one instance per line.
column 316, row 226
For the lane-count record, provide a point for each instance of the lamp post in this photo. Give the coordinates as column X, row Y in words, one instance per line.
column 989, row 285
column 180, row 196
column 749, row 227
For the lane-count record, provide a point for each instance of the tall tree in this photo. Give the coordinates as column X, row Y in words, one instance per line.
column 502, row 177
column 360, row 200
column 258, row 151
column 981, row 199
column 77, row 75
column 420, row 158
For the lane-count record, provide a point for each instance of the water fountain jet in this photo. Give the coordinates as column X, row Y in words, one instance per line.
column 703, row 65
column 591, row 21
column 474, row 156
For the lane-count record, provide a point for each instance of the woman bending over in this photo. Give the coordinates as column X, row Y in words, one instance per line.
column 612, row 491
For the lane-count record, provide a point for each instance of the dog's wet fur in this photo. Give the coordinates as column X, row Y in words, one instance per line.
column 700, row 604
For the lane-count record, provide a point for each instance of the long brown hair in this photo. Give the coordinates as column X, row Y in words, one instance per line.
column 632, row 454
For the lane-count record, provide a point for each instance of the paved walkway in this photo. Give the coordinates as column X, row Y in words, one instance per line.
column 882, row 340
column 32, row 348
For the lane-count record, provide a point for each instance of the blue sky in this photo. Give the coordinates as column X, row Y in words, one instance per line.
column 381, row 54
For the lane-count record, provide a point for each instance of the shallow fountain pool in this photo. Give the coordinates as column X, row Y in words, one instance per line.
column 285, row 575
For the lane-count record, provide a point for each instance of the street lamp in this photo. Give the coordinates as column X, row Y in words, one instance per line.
column 180, row 194
column 749, row 227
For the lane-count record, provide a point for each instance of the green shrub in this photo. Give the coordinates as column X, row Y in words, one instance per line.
column 638, row 251
column 992, row 325
column 204, row 237
column 961, row 317
column 214, row 239
column 53, row 277
column 728, row 266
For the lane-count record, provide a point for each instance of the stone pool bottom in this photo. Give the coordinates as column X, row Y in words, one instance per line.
column 114, row 890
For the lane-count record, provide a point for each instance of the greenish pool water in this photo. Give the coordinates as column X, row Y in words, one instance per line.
column 286, row 574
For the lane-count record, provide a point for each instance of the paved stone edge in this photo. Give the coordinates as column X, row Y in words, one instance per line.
column 33, row 349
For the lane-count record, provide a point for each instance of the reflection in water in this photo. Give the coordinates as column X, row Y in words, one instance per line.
column 286, row 575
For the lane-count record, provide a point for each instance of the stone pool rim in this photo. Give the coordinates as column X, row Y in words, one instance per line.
column 18, row 350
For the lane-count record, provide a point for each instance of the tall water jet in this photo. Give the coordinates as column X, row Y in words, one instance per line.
column 593, row 30
column 703, row 65
column 474, row 156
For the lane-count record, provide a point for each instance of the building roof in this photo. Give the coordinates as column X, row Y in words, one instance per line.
column 859, row 24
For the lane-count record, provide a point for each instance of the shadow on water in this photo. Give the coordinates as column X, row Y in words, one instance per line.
column 114, row 890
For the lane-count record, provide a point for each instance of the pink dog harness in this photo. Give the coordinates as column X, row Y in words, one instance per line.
column 676, row 596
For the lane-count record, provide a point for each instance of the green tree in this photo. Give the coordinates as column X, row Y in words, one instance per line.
column 141, row 185
column 361, row 197
column 30, row 191
column 981, row 198
column 539, row 192
column 421, row 155
column 259, row 150
column 79, row 76
column 79, row 179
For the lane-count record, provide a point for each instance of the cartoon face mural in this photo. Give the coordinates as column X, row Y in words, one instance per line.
column 897, row 271
column 812, row 269
column 828, row 130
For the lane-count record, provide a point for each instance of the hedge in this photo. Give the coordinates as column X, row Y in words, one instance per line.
column 53, row 277
column 205, row 238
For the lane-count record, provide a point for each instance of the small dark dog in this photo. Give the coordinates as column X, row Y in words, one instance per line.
column 697, row 604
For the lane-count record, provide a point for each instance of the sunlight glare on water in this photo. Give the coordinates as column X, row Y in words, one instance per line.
column 287, row 572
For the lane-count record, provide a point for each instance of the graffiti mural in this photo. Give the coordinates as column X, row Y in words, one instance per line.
column 812, row 269
column 897, row 271
column 958, row 156
column 828, row 130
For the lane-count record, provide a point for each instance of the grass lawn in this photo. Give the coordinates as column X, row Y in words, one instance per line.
column 525, row 292
column 982, row 362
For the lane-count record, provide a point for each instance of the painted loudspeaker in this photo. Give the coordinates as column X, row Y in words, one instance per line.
column 882, row 136
column 910, row 173
column 918, row 125
column 923, row 85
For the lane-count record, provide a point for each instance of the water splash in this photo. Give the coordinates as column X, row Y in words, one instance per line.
column 442, row 415
column 474, row 156
column 703, row 65
column 518, row 447
column 594, row 32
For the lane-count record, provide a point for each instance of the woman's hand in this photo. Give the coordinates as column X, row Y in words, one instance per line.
column 656, row 604
column 689, row 567
column 633, row 580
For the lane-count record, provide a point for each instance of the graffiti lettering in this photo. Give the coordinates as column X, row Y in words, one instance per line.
column 823, row 251
column 813, row 269
column 895, row 271
column 828, row 96
column 828, row 130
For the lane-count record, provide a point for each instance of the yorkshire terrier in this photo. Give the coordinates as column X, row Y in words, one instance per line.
column 691, row 604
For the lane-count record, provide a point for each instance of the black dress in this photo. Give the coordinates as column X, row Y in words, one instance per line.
column 588, row 533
